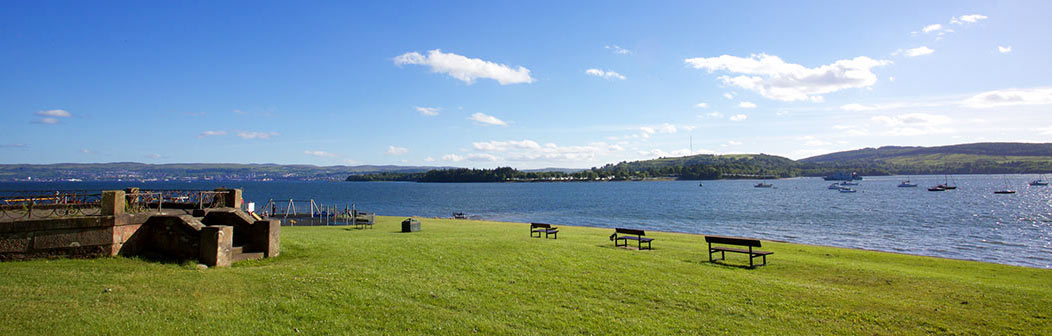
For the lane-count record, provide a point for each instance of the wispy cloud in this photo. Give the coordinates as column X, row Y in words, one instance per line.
column 319, row 153
column 51, row 117
column 256, row 135
column 1004, row 50
column 1010, row 97
column 965, row 19
column 605, row 74
column 486, row 119
column 428, row 111
column 739, row 117
column 466, row 69
column 701, row 105
column 746, row 105
column 393, row 150
column 529, row 150
column 914, row 52
column 211, row 133
column 618, row 50
column 774, row 78
column 13, row 145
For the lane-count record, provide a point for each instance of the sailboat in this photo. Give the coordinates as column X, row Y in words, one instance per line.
column 1041, row 181
column 1006, row 190
column 763, row 183
column 946, row 184
column 907, row 184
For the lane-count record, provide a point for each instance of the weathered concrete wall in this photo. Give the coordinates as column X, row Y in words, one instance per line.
column 215, row 237
column 217, row 245
column 92, row 236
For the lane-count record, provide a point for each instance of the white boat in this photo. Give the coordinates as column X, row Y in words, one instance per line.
column 907, row 184
column 1041, row 181
column 763, row 185
column 847, row 183
column 847, row 190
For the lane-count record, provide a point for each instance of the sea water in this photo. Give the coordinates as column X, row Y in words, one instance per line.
column 970, row 222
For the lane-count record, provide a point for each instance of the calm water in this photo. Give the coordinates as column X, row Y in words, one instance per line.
column 968, row 223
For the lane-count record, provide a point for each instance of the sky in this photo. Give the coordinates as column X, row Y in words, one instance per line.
column 523, row 84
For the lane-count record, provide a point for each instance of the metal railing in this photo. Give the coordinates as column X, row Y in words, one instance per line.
column 36, row 204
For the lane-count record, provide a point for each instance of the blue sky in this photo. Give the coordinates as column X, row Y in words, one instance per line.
column 527, row 85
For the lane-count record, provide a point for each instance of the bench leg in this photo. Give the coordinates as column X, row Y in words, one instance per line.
column 723, row 255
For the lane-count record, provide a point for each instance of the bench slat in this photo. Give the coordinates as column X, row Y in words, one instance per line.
column 730, row 249
column 733, row 241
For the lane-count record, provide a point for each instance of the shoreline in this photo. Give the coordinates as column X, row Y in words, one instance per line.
column 760, row 238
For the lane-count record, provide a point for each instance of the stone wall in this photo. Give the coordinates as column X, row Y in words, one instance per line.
column 210, row 237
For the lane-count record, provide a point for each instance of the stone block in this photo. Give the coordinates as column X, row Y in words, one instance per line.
column 15, row 242
column 113, row 202
column 216, row 245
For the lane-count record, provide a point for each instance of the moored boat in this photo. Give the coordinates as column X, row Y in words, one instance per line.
column 906, row 184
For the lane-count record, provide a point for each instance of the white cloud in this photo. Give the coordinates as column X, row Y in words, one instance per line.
column 728, row 95
column 918, row 51
column 452, row 157
column 429, row 159
column 604, row 74
column 618, row 50
column 487, row 119
column 1045, row 130
column 773, row 78
column 714, row 114
column 154, row 156
column 211, row 133
column 466, row 69
column 428, row 111
column 396, row 150
column 529, row 150
column 469, row 157
column 854, row 107
column 931, row 28
column 662, row 153
column 914, row 124
column 701, row 105
column 733, row 143
column 781, row 113
column 891, row 78
column 256, row 135
column 738, row 117
column 319, row 153
column 1010, row 97
column 1004, row 50
column 971, row 18
column 13, row 145
column 54, row 113
column 912, row 119
column 746, row 105
column 812, row 141
column 51, row 117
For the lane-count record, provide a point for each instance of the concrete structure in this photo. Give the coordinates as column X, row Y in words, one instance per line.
column 215, row 236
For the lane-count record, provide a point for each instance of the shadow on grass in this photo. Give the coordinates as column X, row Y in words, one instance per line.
column 629, row 248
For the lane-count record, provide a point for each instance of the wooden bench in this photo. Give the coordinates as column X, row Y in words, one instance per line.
column 546, row 229
column 362, row 219
column 632, row 234
column 738, row 242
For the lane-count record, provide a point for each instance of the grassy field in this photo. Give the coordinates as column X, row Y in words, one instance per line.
column 466, row 277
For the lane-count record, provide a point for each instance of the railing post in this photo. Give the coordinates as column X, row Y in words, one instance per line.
column 113, row 202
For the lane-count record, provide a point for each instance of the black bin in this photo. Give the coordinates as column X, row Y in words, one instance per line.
column 410, row 225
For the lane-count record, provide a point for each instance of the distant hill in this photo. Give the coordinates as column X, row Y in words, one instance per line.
column 998, row 149
column 976, row 158
column 191, row 171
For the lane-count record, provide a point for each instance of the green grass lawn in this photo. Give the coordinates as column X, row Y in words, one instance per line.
column 464, row 277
